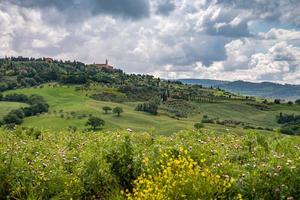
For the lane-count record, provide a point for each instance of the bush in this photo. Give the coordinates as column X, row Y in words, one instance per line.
column 185, row 165
column 72, row 129
column 16, row 98
column 97, row 179
column 290, row 129
column 208, row 121
column 12, row 118
column 180, row 177
column 122, row 164
column 198, row 125
column 149, row 107
column 37, row 106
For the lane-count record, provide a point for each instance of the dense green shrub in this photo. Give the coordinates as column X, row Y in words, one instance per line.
column 188, row 164
column 16, row 98
column 149, row 107
column 37, row 106
column 121, row 160
column 198, row 125
column 12, row 118
column 288, row 119
column 290, row 129
column 208, row 121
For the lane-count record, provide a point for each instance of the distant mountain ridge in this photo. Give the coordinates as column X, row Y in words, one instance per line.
column 263, row 89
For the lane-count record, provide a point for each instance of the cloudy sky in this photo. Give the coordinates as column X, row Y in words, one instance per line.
column 254, row 40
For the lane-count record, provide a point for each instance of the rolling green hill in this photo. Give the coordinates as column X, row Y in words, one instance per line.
column 69, row 107
column 264, row 89
column 67, row 100
column 74, row 92
column 173, row 141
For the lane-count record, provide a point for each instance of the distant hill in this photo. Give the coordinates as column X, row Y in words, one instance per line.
column 264, row 89
column 203, row 82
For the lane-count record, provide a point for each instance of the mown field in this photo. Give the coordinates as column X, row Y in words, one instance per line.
column 69, row 107
column 122, row 165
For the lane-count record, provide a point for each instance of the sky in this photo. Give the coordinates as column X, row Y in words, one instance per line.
column 253, row 40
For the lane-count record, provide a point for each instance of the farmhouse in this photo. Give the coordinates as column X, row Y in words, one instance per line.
column 104, row 66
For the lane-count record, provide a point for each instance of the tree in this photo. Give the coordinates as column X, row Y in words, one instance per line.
column 95, row 123
column 277, row 101
column 1, row 96
column 106, row 109
column 265, row 101
column 118, row 110
column 297, row 101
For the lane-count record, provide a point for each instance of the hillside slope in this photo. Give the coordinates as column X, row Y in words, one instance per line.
column 264, row 89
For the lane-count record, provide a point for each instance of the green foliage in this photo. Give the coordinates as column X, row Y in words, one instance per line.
column 118, row 110
column 37, row 106
column 180, row 108
column 290, row 129
column 277, row 101
column 149, row 107
column 198, row 125
column 288, row 118
column 95, row 123
column 106, row 96
column 122, row 165
column 106, row 109
column 12, row 118
column 260, row 106
column 186, row 165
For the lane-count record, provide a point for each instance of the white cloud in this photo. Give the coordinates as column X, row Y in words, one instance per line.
column 196, row 39
column 281, row 34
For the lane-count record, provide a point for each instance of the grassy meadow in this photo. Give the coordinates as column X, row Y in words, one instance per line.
column 6, row 107
column 69, row 107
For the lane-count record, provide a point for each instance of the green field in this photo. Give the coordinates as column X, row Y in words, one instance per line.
column 6, row 107
column 65, row 100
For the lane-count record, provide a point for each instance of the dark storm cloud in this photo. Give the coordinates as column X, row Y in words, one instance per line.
column 128, row 9
column 165, row 7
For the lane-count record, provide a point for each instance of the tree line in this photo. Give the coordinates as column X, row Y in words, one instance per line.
column 37, row 105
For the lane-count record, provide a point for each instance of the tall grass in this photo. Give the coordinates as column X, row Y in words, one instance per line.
column 119, row 165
